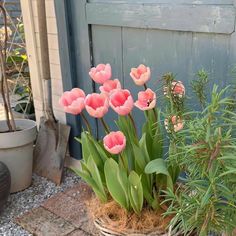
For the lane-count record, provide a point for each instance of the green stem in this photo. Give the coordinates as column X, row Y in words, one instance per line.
column 145, row 86
column 86, row 122
column 133, row 123
column 106, row 128
column 155, row 113
column 122, row 157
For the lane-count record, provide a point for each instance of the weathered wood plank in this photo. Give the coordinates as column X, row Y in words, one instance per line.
column 214, row 19
column 214, row 2
column 67, row 71
column 81, row 52
column 233, row 57
column 107, row 48
column 211, row 52
column 162, row 51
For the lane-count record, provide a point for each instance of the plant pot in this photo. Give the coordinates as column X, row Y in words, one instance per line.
column 24, row 110
column 16, row 152
column 20, row 115
column 5, row 184
column 105, row 229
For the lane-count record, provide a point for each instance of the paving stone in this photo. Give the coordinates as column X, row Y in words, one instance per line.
column 67, row 208
column 79, row 232
column 41, row 222
column 81, row 192
column 90, row 228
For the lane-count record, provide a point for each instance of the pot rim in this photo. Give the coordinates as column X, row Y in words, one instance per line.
column 31, row 125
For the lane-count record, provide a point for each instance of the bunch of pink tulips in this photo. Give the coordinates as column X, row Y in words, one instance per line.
column 120, row 100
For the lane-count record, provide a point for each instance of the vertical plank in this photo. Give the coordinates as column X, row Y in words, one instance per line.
column 80, row 42
column 162, row 51
column 107, row 48
column 67, row 70
column 211, row 52
column 233, row 48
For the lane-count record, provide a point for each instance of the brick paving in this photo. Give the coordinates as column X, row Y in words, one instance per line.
column 64, row 214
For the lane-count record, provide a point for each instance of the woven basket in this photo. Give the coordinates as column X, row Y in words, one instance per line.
column 105, row 230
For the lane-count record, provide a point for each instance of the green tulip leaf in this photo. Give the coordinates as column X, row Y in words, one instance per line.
column 159, row 167
column 136, row 192
column 117, row 183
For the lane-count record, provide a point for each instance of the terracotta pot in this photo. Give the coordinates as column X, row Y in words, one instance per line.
column 5, row 184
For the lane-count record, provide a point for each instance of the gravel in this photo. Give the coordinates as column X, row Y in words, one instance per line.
column 21, row 202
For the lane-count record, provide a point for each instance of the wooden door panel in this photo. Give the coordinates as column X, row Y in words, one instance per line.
column 195, row 18
column 195, row 2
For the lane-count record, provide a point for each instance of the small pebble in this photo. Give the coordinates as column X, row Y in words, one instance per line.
column 21, row 202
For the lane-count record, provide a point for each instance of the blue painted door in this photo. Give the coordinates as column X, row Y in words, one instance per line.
column 179, row 36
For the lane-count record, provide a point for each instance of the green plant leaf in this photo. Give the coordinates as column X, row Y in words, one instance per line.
column 147, row 190
column 136, row 192
column 117, row 183
column 140, row 157
column 159, row 167
column 92, row 167
column 85, row 146
column 90, row 181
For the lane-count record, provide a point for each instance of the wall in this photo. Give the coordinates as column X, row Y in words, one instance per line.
column 29, row 11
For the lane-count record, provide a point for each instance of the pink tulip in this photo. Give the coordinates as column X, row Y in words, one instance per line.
column 101, row 73
column 176, row 122
column 109, row 86
column 114, row 142
column 73, row 101
column 146, row 100
column 140, row 75
column 121, row 101
column 97, row 104
column 177, row 88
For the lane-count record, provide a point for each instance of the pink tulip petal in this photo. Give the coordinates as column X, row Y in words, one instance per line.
column 73, row 101
column 121, row 101
column 141, row 69
column 140, row 75
column 114, row 142
column 97, row 104
column 146, row 100
column 100, row 73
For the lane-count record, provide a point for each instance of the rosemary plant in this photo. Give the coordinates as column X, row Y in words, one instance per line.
column 206, row 151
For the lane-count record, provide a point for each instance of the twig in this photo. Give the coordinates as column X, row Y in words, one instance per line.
column 4, row 87
column 214, row 154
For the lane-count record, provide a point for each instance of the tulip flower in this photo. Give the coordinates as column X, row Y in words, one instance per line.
column 121, row 101
column 101, row 73
column 109, row 86
column 114, row 142
column 140, row 75
column 146, row 100
column 177, row 89
column 73, row 101
column 97, row 104
column 176, row 122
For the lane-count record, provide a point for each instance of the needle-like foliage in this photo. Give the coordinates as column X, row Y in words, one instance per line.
column 206, row 152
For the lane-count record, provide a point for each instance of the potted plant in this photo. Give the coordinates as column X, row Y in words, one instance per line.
column 206, row 151
column 16, row 136
column 128, row 172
